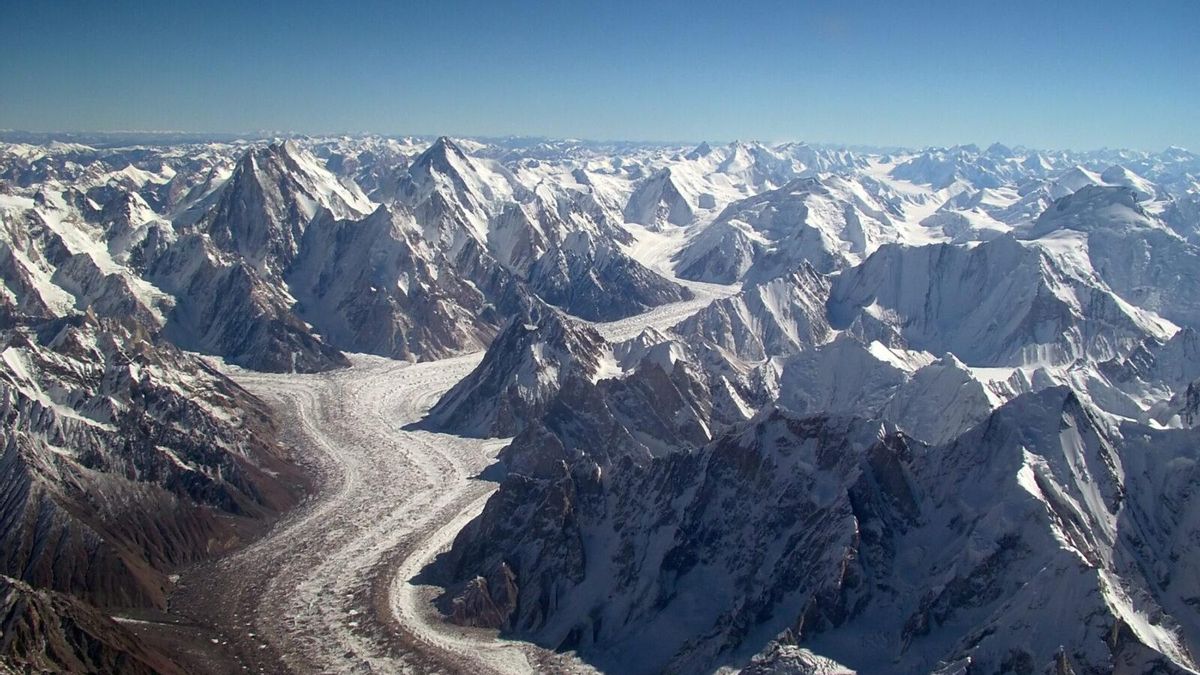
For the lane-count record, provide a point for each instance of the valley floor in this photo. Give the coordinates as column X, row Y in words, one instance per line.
column 329, row 588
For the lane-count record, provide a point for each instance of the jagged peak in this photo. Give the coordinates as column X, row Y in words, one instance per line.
column 663, row 355
column 287, row 152
column 286, row 146
column 441, row 151
column 998, row 149
column 952, row 362
column 1044, row 409
column 383, row 215
column 775, row 429
column 702, row 150
column 629, row 353
column 803, row 276
column 547, row 325
column 528, row 362
column 1005, row 245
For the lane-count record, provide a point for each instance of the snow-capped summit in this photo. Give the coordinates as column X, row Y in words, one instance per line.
column 999, row 303
column 444, row 165
column 999, row 151
column 524, row 368
column 1105, row 231
column 452, row 195
column 1119, row 175
column 699, row 151
column 666, row 198
column 274, row 192
column 1073, row 180
column 943, row 168
column 1091, row 208
column 774, row 318
column 829, row 223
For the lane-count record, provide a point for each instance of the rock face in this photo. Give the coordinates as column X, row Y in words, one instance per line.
column 1182, row 215
column 561, row 243
column 226, row 308
column 46, row 631
column 818, row 527
column 680, row 539
column 1144, row 262
column 664, row 199
column 117, row 456
column 261, row 212
column 372, row 286
column 780, row 317
column 599, row 283
column 226, row 269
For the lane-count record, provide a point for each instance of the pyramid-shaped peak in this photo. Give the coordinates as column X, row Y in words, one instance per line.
column 443, row 156
column 444, row 145
column 702, row 150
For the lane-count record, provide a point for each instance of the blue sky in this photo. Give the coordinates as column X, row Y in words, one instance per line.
column 1047, row 74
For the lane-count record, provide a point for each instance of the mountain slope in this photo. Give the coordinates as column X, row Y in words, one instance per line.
column 372, row 286
column 119, row 458
column 828, row 222
column 523, row 370
column 263, row 208
column 1143, row 261
column 998, row 303
column 699, row 558
column 776, row 318
column 46, row 631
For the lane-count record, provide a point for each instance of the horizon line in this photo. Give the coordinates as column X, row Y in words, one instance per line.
column 269, row 134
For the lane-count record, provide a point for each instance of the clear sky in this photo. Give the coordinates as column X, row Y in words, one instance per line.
column 1053, row 74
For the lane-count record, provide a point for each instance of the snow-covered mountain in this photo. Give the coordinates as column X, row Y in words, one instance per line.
column 937, row 411
column 374, row 286
column 1037, row 368
column 819, row 530
column 995, row 304
column 559, row 239
column 261, row 212
column 830, row 223
column 524, row 369
column 1137, row 256
column 775, row 318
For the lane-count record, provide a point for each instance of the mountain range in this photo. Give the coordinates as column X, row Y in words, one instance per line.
column 773, row 407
